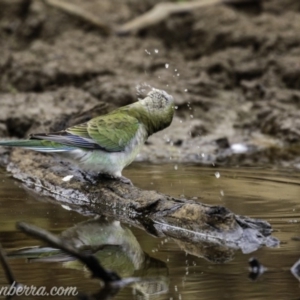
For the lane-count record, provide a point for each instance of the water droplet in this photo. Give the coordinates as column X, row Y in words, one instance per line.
column 148, row 52
column 175, row 167
column 167, row 66
column 222, row 193
column 156, row 50
column 176, row 107
column 67, row 178
column 175, row 70
column 180, row 121
column 192, row 116
column 178, row 74
column 186, row 90
column 239, row 148
column 202, row 154
column 66, row 207
column 218, row 175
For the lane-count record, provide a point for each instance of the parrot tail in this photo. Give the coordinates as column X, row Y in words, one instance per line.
column 37, row 145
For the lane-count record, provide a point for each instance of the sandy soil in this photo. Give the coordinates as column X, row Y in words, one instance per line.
column 234, row 73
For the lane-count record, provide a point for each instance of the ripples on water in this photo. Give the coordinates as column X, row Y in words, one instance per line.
column 268, row 194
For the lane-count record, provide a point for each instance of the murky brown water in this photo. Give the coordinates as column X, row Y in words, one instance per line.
column 273, row 195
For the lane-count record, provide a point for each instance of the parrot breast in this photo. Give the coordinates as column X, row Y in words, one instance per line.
column 112, row 163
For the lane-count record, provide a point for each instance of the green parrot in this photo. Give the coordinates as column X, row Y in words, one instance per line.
column 108, row 143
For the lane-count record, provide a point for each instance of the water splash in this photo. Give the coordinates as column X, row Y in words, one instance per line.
column 166, row 66
column 218, row 175
column 142, row 90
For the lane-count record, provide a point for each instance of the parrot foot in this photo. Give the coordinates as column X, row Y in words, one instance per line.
column 125, row 180
column 87, row 178
column 120, row 178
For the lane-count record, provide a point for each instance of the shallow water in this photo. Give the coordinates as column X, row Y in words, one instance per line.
column 269, row 194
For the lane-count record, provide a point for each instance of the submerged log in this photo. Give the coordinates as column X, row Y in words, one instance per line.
column 161, row 215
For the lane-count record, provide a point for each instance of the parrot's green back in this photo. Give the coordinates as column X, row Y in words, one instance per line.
column 111, row 132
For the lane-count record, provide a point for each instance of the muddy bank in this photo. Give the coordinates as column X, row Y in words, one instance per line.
column 234, row 73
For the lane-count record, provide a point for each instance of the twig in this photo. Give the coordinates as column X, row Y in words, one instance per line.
column 163, row 10
column 75, row 10
column 158, row 13
column 8, row 272
column 89, row 260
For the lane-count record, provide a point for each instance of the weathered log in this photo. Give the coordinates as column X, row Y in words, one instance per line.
column 160, row 215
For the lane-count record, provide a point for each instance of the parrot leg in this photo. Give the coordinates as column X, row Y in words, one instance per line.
column 88, row 178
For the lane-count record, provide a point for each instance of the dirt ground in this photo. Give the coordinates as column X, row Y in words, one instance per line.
column 234, row 72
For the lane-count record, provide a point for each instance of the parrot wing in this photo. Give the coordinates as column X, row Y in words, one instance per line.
column 111, row 133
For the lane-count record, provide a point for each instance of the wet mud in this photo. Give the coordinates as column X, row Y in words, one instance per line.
column 233, row 70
